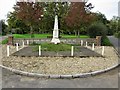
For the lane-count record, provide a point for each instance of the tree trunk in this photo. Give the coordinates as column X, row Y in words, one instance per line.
column 78, row 33
column 75, row 32
column 31, row 32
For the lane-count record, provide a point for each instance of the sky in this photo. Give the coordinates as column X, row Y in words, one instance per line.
column 107, row 7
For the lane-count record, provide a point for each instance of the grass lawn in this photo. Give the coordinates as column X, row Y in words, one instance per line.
column 29, row 36
column 53, row 47
column 73, row 36
column 45, row 36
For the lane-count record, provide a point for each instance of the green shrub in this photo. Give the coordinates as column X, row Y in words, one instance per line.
column 5, row 41
column 117, row 34
column 97, row 29
column 105, row 42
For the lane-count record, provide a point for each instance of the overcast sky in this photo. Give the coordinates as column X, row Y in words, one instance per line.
column 107, row 7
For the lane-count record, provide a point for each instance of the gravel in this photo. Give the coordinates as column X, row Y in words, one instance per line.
column 60, row 65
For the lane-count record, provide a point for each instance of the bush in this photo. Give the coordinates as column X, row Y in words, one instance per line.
column 97, row 29
column 110, row 32
column 117, row 34
column 5, row 41
column 105, row 42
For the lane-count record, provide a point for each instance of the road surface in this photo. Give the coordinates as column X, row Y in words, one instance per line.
column 115, row 42
column 106, row 80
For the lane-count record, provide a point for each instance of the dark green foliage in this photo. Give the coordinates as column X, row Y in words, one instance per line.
column 97, row 29
column 4, row 28
column 110, row 32
column 106, row 42
column 101, row 18
column 16, row 25
column 5, row 41
column 114, row 25
column 117, row 34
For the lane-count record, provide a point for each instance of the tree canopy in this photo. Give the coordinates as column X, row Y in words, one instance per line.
column 73, row 17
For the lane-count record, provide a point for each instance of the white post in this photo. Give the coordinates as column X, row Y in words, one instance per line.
column 81, row 42
column 39, row 50
column 27, row 42
column 8, row 51
column 16, row 46
column 72, row 50
column 23, row 44
column 93, row 46
column 86, row 44
column 103, row 50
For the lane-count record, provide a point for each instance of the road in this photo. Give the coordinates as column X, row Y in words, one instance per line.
column 106, row 80
column 115, row 42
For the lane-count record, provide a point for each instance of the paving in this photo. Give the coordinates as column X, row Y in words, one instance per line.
column 84, row 52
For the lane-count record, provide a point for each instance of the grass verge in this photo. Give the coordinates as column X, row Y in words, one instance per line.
column 53, row 47
column 46, row 35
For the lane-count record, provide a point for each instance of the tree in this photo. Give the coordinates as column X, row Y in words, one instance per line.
column 101, row 18
column 52, row 8
column 30, row 13
column 4, row 28
column 16, row 24
column 78, row 16
column 97, row 29
column 114, row 22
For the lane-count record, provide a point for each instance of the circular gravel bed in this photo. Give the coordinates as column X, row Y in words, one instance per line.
column 61, row 65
